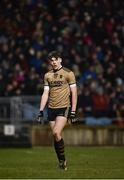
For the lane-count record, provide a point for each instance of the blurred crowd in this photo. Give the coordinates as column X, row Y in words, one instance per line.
column 88, row 33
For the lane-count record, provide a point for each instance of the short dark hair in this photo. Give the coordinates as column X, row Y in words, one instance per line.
column 54, row 54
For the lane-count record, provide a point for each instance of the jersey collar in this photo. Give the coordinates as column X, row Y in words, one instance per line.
column 55, row 70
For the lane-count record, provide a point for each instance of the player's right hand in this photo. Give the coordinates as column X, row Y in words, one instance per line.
column 40, row 117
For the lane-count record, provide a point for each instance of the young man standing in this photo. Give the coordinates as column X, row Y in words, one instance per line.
column 59, row 89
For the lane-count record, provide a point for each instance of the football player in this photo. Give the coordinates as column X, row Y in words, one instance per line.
column 59, row 89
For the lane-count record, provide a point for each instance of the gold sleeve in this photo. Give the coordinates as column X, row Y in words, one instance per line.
column 71, row 78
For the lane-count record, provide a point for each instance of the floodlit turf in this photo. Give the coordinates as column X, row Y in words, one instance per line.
column 83, row 162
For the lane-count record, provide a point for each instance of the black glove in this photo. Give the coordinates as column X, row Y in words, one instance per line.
column 40, row 117
column 73, row 116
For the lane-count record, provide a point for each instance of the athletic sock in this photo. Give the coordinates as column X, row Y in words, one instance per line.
column 59, row 148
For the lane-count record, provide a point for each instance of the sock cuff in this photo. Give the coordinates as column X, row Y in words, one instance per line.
column 59, row 143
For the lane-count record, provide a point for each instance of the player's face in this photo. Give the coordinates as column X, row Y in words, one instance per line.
column 56, row 63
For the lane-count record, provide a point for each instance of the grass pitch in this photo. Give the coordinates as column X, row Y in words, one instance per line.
column 41, row 162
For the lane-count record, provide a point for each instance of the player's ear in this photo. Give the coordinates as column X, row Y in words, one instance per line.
column 60, row 59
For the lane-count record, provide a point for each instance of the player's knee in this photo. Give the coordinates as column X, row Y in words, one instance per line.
column 56, row 135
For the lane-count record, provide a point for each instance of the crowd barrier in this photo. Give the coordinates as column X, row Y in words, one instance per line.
column 18, row 126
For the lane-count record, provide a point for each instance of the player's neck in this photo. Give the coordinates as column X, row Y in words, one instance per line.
column 58, row 68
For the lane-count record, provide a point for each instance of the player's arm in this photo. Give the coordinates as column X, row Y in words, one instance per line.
column 73, row 89
column 44, row 98
column 43, row 102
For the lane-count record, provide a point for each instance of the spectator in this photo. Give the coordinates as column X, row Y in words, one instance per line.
column 89, row 34
column 100, row 103
column 87, row 104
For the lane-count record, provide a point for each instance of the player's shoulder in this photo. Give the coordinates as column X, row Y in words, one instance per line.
column 48, row 73
column 66, row 70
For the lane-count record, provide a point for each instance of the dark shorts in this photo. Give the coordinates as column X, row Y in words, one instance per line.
column 53, row 113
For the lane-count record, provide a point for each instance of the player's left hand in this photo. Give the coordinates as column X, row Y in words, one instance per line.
column 73, row 116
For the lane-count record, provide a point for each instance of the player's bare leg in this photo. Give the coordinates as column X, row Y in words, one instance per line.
column 57, row 127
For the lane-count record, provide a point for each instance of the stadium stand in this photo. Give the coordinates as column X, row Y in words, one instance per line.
column 90, row 36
